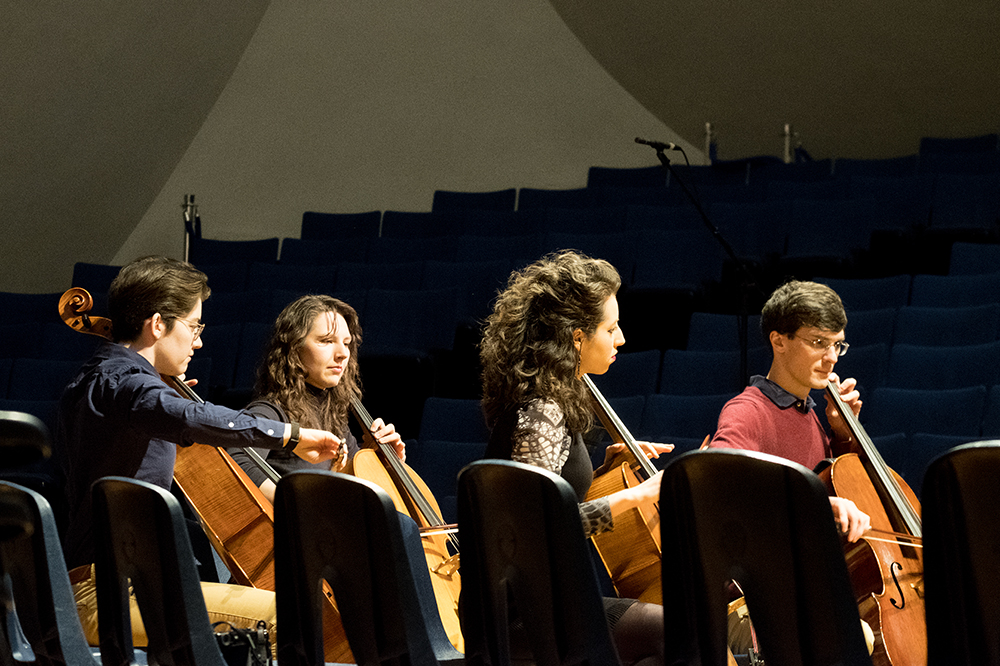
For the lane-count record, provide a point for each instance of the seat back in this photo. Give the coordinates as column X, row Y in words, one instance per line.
column 37, row 586
column 961, row 533
column 141, row 541
column 765, row 522
column 372, row 559
column 525, row 557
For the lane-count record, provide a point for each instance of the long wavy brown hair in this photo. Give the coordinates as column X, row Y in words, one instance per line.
column 527, row 349
column 281, row 377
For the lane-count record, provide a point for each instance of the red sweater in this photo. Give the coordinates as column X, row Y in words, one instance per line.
column 751, row 421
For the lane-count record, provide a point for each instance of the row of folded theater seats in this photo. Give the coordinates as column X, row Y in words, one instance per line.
column 910, row 244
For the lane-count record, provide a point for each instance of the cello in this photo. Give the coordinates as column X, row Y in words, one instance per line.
column 379, row 464
column 631, row 553
column 236, row 517
column 887, row 573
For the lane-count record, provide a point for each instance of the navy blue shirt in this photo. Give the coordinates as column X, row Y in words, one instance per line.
column 119, row 418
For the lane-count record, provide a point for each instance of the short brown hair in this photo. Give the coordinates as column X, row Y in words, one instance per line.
column 150, row 285
column 796, row 304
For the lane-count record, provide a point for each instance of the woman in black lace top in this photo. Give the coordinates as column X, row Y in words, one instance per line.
column 556, row 321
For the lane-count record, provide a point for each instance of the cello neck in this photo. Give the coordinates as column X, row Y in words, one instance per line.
column 617, row 429
column 397, row 470
column 881, row 475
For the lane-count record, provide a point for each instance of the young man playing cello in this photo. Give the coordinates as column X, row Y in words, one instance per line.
column 119, row 417
column 804, row 323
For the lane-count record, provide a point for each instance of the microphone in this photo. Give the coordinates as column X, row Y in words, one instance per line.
column 659, row 145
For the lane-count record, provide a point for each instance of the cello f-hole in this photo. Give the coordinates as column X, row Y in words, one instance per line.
column 893, row 568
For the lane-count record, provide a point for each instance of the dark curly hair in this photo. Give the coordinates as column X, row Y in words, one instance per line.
column 281, row 377
column 527, row 349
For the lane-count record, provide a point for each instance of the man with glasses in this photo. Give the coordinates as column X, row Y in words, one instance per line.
column 119, row 417
column 804, row 323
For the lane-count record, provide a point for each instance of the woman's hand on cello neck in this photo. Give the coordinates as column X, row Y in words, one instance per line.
column 385, row 433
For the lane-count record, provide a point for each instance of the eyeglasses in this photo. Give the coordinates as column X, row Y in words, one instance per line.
column 196, row 328
column 821, row 345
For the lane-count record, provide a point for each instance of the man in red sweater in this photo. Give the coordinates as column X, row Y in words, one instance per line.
column 804, row 322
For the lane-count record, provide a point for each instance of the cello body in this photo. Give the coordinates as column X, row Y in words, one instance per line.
column 631, row 552
column 887, row 577
column 443, row 567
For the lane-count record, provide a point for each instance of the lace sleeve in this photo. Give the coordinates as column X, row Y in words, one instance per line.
column 541, row 439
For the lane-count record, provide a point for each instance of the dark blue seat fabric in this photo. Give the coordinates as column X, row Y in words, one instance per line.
column 682, row 259
column 211, row 251
column 866, row 363
column 410, row 321
column 340, row 226
column 709, row 372
column 932, row 146
column 95, row 278
column 721, row 332
column 530, row 197
column 40, row 379
column 943, row 367
column 685, row 416
column 31, row 307
column 21, row 339
column 647, row 176
column 966, row 201
column 228, row 276
column 869, row 327
column 908, row 197
column 353, row 276
column 289, row 277
column 756, row 230
column 578, row 221
column 961, row 571
column 220, row 342
column 780, row 515
column 953, row 291
column 677, row 217
column 301, row 252
column 634, row 373
column 517, row 250
column 438, row 463
column 660, row 197
column 974, row 258
column 453, row 419
column 619, row 248
column 250, row 352
column 411, row 224
column 871, row 293
column 931, row 411
column 5, row 366
column 991, row 419
column 391, row 250
column 496, row 200
column 905, row 165
column 973, row 325
column 480, row 282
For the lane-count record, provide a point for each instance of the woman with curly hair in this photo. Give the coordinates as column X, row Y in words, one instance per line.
column 309, row 374
column 556, row 321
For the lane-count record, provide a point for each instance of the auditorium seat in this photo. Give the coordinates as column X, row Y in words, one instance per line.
column 40, row 379
column 407, row 322
column 212, row 251
column 620, row 248
column 453, row 419
column 974, row 258
column 22, row 338
column 227, row 276
column 721, row 332
column 353, row 276
column 905, row 165
column 709, row 372
column 971, row 325
column 943, row 367
column 632, row 373
column 59, row 341
column 756, row 230
column 411, row 224
column 932, row 411
column 340, row 226
column 966, row 201
column 690, row 417
column 932, row 146
column 438, row 463
column 647, row 176
column 870, row 327
column 575, row 221
column 908, row 198
column 496, row 200
column 480, row 282
column 289, row 277
column 300, row 252
column 677, row 217
column 952, row 291
column 390, row 250
column 31, row 307
column 95, row 278
column 639, row 196
column 866, row 363
column 871, row 293
column 518, row 250
column 530, row 197
column 991, row 418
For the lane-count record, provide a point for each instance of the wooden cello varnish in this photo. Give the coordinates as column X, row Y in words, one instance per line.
column 379, row 464
column 631, row 552
column 887, row 575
